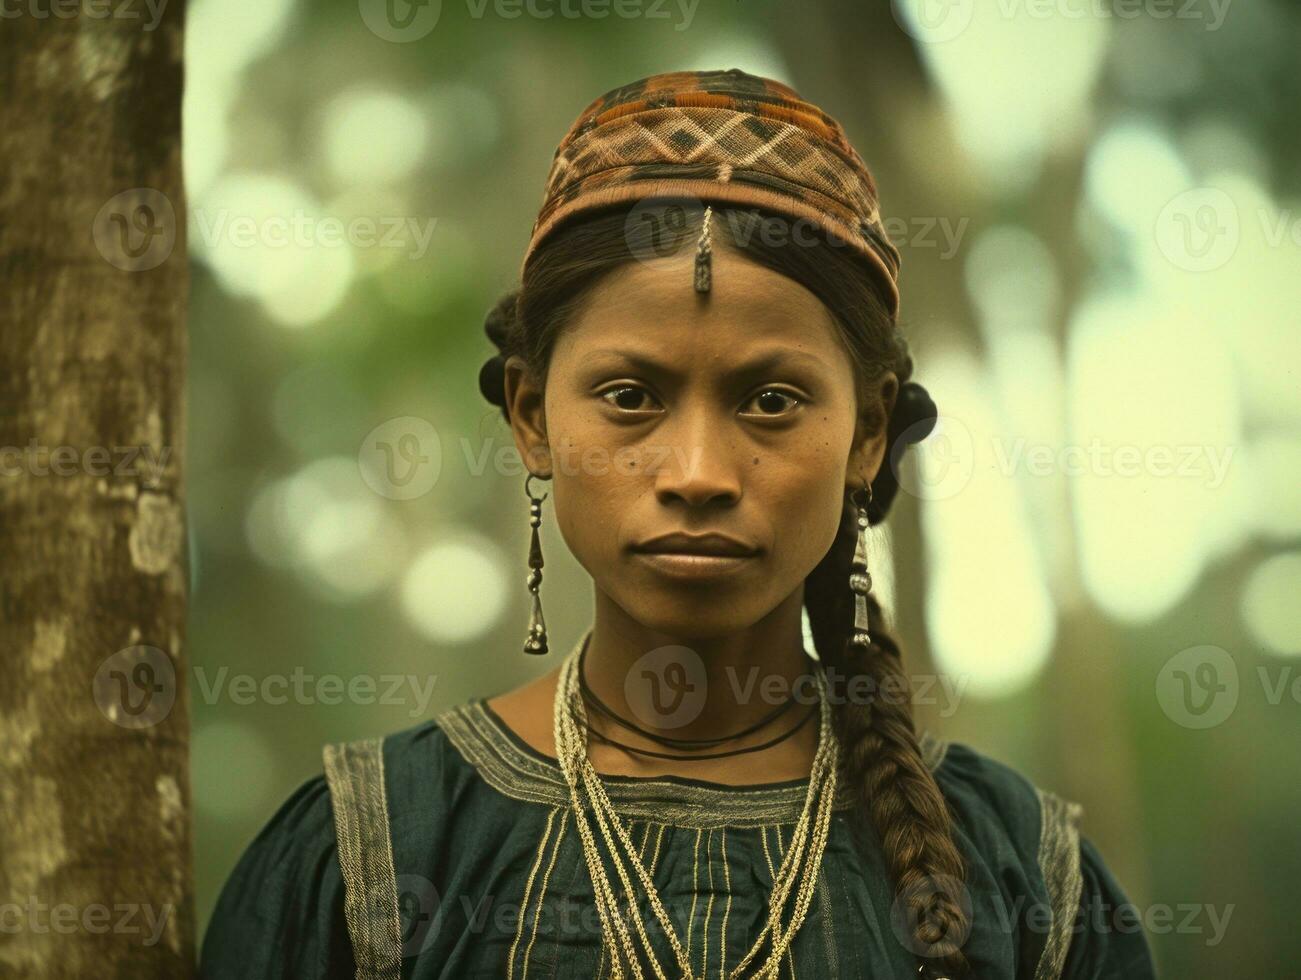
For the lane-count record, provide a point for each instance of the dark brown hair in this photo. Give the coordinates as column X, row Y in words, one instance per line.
column 901, row 800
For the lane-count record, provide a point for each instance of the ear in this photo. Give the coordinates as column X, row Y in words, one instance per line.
column 868, row 451
column 528, row 422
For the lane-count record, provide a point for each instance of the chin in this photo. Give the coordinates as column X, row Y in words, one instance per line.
column 703, row 620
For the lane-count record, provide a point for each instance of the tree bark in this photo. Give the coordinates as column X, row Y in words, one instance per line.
column 95, row 865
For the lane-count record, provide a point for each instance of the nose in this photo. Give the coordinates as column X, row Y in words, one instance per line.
column 698, row 464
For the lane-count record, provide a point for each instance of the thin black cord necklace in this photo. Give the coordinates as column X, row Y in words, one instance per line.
column 685, row 743
column 710, row 755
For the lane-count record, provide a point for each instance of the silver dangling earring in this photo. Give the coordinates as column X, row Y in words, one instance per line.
column 860, row 579
column 536, row 641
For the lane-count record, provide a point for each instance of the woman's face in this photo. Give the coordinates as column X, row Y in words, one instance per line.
column 666, row 411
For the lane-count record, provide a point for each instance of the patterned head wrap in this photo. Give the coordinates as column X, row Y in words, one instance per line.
column 724, row 136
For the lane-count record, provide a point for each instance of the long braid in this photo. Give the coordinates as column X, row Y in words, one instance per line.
column 883, row 760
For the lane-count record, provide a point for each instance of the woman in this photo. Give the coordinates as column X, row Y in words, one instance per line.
column 703, row 357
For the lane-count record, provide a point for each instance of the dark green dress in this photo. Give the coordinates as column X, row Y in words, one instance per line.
column 449, row 850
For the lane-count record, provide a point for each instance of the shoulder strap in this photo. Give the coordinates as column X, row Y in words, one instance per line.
column 1059, row 863
column 355, row 774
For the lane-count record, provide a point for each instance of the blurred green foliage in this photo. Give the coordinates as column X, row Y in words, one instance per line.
column 1074, row 130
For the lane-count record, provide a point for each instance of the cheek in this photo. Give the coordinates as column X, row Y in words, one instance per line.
column 594, row 491
column 805, row 491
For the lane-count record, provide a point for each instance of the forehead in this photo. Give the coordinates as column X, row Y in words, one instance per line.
column 653, row 303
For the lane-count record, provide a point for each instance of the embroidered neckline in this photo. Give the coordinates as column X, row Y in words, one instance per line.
column 518, row 770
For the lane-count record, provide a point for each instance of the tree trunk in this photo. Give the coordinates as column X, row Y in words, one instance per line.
column 95, row 864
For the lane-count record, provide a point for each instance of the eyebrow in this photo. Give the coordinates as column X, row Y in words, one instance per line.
column 756, row 365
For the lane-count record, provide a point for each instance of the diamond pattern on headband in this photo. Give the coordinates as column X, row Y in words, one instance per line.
column 724, row 135
column 716, row 136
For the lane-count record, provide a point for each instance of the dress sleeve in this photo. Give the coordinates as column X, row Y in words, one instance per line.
column 280, row 915
column 1072, row 919
column 1109, row 939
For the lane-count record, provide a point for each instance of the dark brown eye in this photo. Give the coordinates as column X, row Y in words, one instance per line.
column 629, row 398
column 774, row 401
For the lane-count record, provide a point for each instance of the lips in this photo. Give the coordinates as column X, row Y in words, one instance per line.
column 713, row 544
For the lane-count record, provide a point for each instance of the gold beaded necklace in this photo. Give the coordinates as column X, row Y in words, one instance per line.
column 808, row 840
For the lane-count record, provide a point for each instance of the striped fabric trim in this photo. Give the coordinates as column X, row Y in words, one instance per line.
column 830, row 948
column 1059, row 863
column 523, row 775
column 354, row 772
